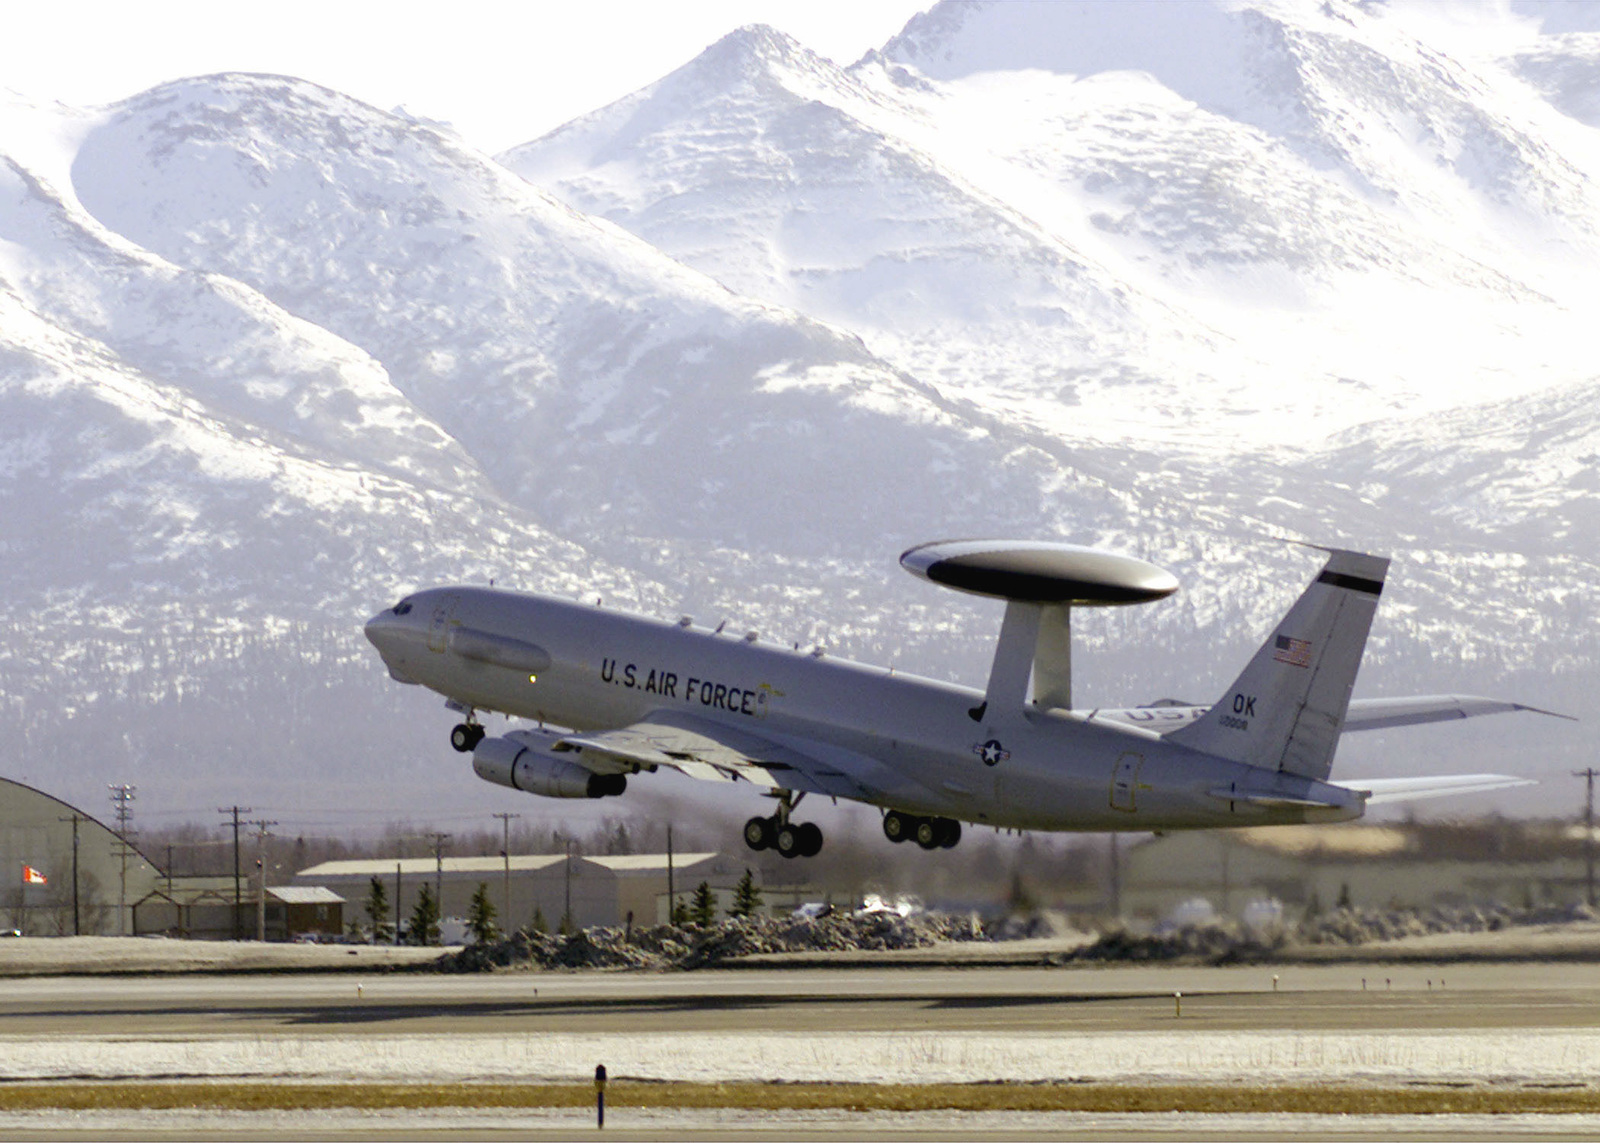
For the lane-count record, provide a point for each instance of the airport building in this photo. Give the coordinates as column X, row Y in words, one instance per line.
column 206, row 909
column 91, row 878
column 611, row 891
column 1367, row 866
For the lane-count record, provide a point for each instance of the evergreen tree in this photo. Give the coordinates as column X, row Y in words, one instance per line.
column 567, row 927
column 703, row 911
column 539, row 925
column 1344, row 897
column 680, row 914
column 1314, row 906
column 424, row 929
column 377, row 910
column 746, row 896
column 619, row 842
column 480, row 917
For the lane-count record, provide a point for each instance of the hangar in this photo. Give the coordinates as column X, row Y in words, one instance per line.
column 1366, row 865
column 92, row 877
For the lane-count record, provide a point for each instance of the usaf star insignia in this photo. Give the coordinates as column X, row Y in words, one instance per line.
column 991, row 752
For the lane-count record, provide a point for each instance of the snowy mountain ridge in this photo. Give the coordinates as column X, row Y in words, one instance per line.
column 269, row 356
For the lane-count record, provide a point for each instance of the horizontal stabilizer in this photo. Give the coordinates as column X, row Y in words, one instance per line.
column 1379, row 713
column 1380, row 790
column 1166, row 716
column 1272, row 801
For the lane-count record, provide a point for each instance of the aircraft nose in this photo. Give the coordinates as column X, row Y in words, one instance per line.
column 383, row 630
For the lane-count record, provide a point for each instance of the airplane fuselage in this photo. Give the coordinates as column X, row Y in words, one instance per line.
column 589, row 668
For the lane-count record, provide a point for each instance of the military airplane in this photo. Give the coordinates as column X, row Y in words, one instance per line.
column 616, row 695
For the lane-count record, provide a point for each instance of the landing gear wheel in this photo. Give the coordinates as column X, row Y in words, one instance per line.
column 810, row 839
column 897, row 826
column 949, row 833
column 759, row 833
column 927, row 833
column 787, row 840
column 466, row 736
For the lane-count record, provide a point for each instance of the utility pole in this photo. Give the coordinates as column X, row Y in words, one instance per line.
column 568, row 914
column 77, row 917
column 238, row 895
column 672, row 890
column 122, row 800
column 263, row 830
column 1588, row 775
column 505, row 821
column 438, row 869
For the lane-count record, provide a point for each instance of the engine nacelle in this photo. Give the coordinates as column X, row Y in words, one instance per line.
column 523, row 760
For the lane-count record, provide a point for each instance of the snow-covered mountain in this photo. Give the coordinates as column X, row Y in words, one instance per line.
column 1175, row 230
column 269, row 355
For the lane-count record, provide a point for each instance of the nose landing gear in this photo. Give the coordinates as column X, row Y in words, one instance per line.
column 790, row 839
column 466, row 736
column 929, row 833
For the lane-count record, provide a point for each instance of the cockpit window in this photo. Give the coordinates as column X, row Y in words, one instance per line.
column 402, row 607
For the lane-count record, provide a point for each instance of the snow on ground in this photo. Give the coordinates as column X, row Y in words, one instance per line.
column 1166, row 1056
column 913, row 1125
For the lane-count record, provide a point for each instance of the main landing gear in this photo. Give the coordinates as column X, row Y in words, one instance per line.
column 466, row 736
column 790, row 839
column 929, row 833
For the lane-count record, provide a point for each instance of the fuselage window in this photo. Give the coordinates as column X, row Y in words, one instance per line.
column 402, row 607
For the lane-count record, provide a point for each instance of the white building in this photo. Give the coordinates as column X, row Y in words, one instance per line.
column 596, row 890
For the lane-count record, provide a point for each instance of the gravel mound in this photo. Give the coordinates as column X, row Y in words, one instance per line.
column 670, row 947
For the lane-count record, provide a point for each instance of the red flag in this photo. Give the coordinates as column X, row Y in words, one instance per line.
column 31, row 876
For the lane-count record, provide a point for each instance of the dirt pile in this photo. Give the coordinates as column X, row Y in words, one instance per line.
column 1221, row 940
column 670, row 947
column 1212, row 941
column 1364, row 926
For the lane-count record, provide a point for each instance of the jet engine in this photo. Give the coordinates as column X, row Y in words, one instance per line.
column 524, row 761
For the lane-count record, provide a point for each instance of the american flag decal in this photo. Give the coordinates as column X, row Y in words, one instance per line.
column 1295, row 652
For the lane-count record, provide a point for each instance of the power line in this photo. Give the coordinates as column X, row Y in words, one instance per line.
column 438, row 863
column 505, row 821
column 263, row 830
column 238, row 895
column 77, row 918
column 122, row 800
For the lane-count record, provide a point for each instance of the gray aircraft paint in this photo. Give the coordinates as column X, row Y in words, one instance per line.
column 909, row 742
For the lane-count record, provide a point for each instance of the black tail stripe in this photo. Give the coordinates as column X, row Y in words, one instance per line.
column 1353, row 582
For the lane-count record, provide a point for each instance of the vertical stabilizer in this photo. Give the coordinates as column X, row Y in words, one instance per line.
column 1286, row 710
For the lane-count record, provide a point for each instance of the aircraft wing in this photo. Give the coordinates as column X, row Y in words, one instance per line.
column 1380, row 790
column 712, row 751
column 1378, row 713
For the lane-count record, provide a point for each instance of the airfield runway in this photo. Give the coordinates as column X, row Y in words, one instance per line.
column 1499, row 1025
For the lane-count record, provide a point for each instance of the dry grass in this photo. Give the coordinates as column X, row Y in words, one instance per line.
column 1325, row 1100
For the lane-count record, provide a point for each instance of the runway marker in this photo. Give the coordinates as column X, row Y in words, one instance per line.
column 1177, row 1005
column 358, row 992
column 1274, row 982
column 600, row 1096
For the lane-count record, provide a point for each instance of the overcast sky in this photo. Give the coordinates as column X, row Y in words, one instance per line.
column 502, row 73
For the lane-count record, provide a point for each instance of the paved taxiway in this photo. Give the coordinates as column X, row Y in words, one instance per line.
column 1325, row 998
column 1518, row 1024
